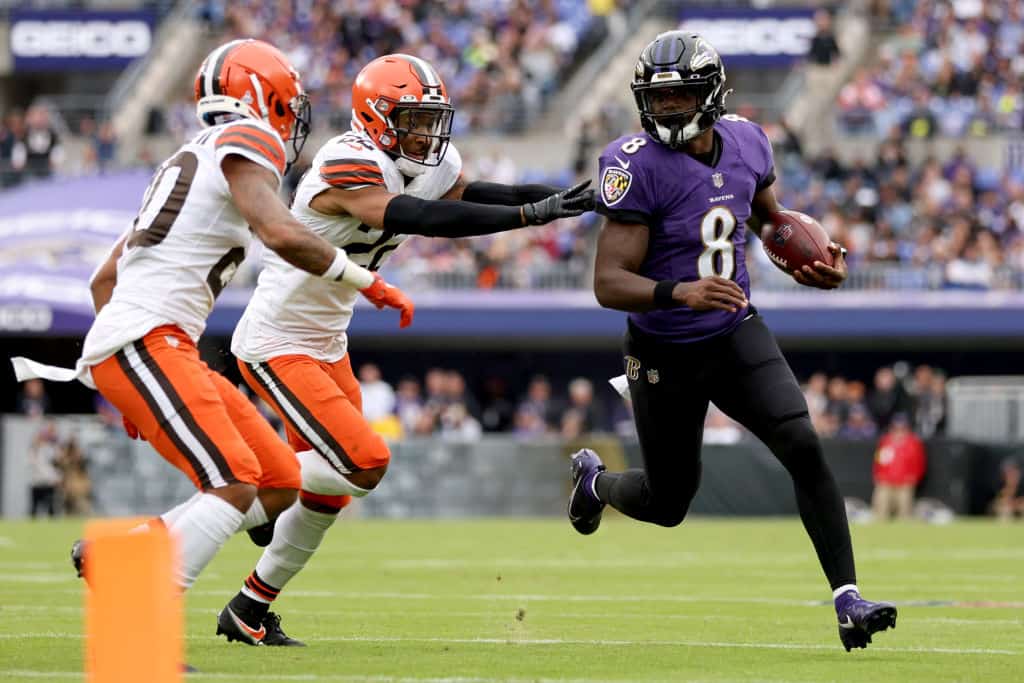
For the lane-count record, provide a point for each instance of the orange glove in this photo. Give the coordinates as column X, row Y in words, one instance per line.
column 131, row 429
column 381, row 294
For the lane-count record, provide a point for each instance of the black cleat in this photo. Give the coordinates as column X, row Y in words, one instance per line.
column 860, row 618
column 584, row 507
column 275, row 636
column 234, row 628
column 269, row 632
column 262, row 535
column 78, row 557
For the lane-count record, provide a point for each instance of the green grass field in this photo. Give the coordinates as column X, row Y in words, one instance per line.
column 497, row 600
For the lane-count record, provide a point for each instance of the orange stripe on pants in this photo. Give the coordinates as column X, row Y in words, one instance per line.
column 321, row 406
column 190, row 414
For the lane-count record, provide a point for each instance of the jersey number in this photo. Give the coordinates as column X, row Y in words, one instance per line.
column 631, row 146
column 164, row 199
column 719, row 255
column 162, row 205
column 375, row 251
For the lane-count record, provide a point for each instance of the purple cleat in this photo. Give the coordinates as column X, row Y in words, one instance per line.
column 859, row 618
column 584, row 506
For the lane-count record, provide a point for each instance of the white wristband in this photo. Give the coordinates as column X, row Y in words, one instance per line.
column 336, row 270
column 357, row 276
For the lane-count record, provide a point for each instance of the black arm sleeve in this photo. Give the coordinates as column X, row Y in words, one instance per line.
column 407, row 215
column 482, row 192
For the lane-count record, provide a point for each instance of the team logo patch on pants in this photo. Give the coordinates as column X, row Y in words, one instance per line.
column 632, row 368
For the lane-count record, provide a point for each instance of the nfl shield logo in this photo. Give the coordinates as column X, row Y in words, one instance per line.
column 615, row 184
column 652, row 376
column 718, row 180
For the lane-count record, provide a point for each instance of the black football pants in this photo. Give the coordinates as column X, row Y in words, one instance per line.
column 744, row 374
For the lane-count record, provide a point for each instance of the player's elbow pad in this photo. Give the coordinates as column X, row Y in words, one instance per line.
column 407, row 215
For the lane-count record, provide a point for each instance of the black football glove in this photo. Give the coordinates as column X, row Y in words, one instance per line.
column 576, row 200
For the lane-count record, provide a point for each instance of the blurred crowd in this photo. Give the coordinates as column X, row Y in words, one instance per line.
column 947, row 225
column 58, row 468
column 950, row 68
column 500, row 60
column 32, row 146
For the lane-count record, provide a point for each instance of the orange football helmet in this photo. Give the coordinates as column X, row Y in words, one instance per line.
column 398, row 95
column 253, row 79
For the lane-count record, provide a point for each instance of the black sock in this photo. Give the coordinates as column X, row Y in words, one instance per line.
column 248, row 610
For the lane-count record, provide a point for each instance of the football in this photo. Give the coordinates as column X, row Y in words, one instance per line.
column 793, row 240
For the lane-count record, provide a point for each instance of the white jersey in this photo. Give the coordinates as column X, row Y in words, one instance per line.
column 187, row 240
column 293, row 312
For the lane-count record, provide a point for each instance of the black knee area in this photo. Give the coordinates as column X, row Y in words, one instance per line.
column 798, row 447
column 670, row 515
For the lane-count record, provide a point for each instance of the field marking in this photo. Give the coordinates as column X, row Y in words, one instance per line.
column 575, row 641
column 351, row 678
column 503, row 614
column 62, row 577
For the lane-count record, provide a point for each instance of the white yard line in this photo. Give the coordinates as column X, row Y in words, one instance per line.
column 574, row 641
column 343, row 678
column 503, row 614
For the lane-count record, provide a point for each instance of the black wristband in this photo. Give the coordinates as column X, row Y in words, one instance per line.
column 663, row 294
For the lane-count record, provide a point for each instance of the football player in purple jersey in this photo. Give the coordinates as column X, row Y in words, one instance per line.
column 671, row 254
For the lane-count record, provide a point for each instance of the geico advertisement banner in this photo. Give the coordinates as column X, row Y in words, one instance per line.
column 77, row 41
column 754, row 38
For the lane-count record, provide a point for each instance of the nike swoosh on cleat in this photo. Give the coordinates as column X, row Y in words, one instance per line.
column 848, row 624
column 255, row 634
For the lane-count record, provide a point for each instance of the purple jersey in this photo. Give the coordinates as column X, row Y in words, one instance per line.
column 695, row 213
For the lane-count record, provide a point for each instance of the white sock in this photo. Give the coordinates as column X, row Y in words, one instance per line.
column 845, row 587
column 256, row 516
column 201, row 530
column 297, row 535
column 172, row 515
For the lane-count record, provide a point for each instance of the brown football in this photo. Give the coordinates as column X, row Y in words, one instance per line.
column 793, row 240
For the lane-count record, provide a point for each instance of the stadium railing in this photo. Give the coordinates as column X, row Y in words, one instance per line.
column 987, row 409
column 496, row 475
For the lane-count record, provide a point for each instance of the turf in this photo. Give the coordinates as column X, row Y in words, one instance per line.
column 492, row 600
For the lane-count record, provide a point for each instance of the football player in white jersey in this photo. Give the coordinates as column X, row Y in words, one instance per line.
column 154, row 293
column 394, row 174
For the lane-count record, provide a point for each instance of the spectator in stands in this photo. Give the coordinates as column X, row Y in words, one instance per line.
column 1009, row 501
column 824, row 49
column 408, row 403
column 888, row 397
column 43, row 151
column 378, row 396
column 42, row 457
column 75, row 485
column 12, row 148
column 434, row 384
column 458, row 425
column 920, row 122
column 929, row 399
column 105, row 143
column 538, row 409
column 497, row 412
column 33, row 400
column 899, row 467
column 858, row 425
column 456, row 393
column 584, row 406
column 858, row 101
column 838, row 400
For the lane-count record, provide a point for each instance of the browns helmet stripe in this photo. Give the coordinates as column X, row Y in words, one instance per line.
column 424, row 71
column 213, row 67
